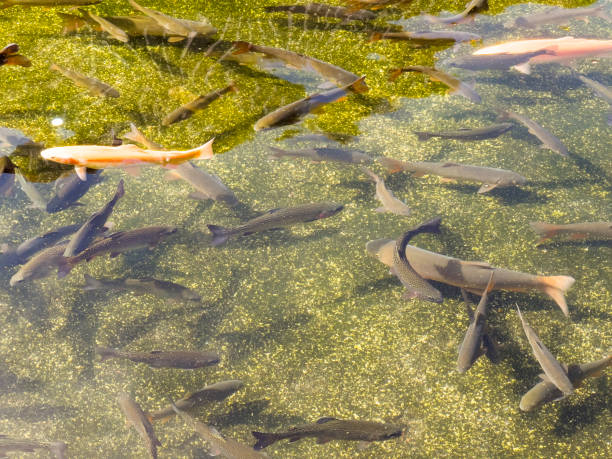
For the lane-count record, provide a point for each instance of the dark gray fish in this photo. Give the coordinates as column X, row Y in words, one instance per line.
column 326, row 429
column 41, row 265
column 33, row 245
column 501, row 61
column 325, row 11
column 276, row 218
column 83, row 237
column 428, row 37
column 200, row 103
column 416, row 286
column 487, row 132
column 143, row 286
column 70, row 189
column 323, row 154
column 207, row 186
column 8, row 445
column 186, row 360
column 137, row 419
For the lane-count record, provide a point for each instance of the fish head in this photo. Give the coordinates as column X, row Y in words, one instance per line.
column 208, row 358
column 59, row 155
column 330, row 209
column 17, row 279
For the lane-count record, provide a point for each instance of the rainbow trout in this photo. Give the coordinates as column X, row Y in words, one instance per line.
column 70, row 189
column 137, row 419
column 208, row 186
column 185, row 360
column 428, row 37
column 324, row 11
column 456, row 86
column 487, row 132
column 93, row 85
column 8, row 445
column 147, row 285
column 322, row 154
column 389, row 202
column 576, row 230
column 471, row 8
column 200, row 103
column 45, row 3
column 556, row 15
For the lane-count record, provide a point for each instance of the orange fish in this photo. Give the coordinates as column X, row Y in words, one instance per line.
column 101, row 156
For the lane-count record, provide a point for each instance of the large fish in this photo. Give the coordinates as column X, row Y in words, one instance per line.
column 86, row 233
column 9, row 444
column 70, row 189
column 489, row 176
column 323, row 154
column 292, row 112
column 186, row 360
column 548, row 139
column 200, row 103
column 172, row 25
column 143, row 286
column 207, row 186
column 212, row 393
column 138, row 419
column 553, row 370
column 556, row 15
column 112, row 29
column 276, row 218
column 41, row 265
column 333, row 73
column 471, row 275
column 8, row 54
column 545, row 391
column 465, row 134
column 577, row 230
column 456, row 86
column 323, row 10
column 389, row 202
column 45, row 3
column 428, row 37
column 471, row 8
column 34, row 245
column 93, row 85
column 127, row 155
column 327, row 429
column 502, row 61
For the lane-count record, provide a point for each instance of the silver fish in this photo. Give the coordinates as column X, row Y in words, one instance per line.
column 207, row 186
column 93, row 85
column 465, row 134
column 577, row 230
column 38, row 202
column 114, row 31
column 556, row 15
column 389, row 202
column 323, row 154
column 428, row 37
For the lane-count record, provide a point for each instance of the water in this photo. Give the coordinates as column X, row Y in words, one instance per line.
column 312, row 324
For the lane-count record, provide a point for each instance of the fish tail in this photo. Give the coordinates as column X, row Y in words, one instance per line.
column 135, row 135
column 372, row 175
column 394, row 73
column 545, row 230
column 91, row 283
column 220, row 234
column 360, row 86
column 555, row 287
column 203, row 151
column 106, row 352
column 242, row 47
column 393, row 165
column 376, row 36
column 422, row 135
column 277, row 153
column 264, row 439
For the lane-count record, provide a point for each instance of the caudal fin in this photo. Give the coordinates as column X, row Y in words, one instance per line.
column 203, row 151
column 91, row 283
column 422, row 135
column 263, row 439
column 220, row 235
column 360, row 86
column 555, row 287
column 106, row 353
column 18, row 59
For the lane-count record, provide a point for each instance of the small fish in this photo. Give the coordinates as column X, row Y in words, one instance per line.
column 83, row 237
column 292, row 112
column 93, row 85
column 219, row 445
column 325, row 11
column 128, row 155
column 546, row 391
column 548, row 139
column 136, row 136
column 41, row 265
column 200, row 103
column 117, row 243
column 8, row 54
column 553, row 370
column 207, row 186
column 428, row 37
column 38, row 202
column 174, row 26
column 34, row 245
column 560, row 16
column 471, row 8
column 327, row 429
column 45, row 3
column 489, row 176
column 185, row 360
column 456, row 86
column 212, row 393
column 143, row 286
column 502, row 61
column 116, row 32
column 8, row 444
column 330, row 72
column 323, row 154
column 602, row 91
column 70, row 189
column 577, row 230
column 416, row 286
column 465, row 134
column 389, row 202
column 137, row 419
column 276, row 218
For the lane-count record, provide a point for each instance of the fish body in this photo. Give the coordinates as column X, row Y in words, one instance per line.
column 45, row 3
column 456, row 86
column 601, row 90
column 41, row 265
column 212, row 393
column 8, row 54
column 488, row 132
column 136, row 136
column 143, row 286
column 34, row 245
column 471, row 8
column 93, row 85
column 113, row 30
column 577, row 230
column 38, row 202
column 429, row 37
column 548, row 139
column 490, row 177
column 471, row 275
column 557, row 15
column 553, row 370
column 8, row 445
column 326, row 11
column 501, row 61
column 138, row 419
column 323, row 154
column 70, row 189
column 389, row 202
column 200, row 103
column 86, row 233
column 333, row 73
column 172, row 25
column 276, row 218
column 207, row 186
column 326, row 429
column 546, row 391
column 186, row 360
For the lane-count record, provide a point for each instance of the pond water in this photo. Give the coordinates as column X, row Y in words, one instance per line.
column 312, row 324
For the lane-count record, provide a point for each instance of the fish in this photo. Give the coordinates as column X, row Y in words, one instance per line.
column 45, row 3
column 137, row 419
column 219, row 445
column 7, row 176
column 200, row 103
column 70, row 189
column 490, row 177
column 577, row 230
column 185, row 360
column 548, row 139
column 465, row 134
column 328, row 428
column 416, row 286
column 34, row 245
column 292, row 112
column 116, row 243
column 136, row 136
column 276, row 218
column 38, row 202
column 113, row 30
column 553, row 371
column 546, row 391
column 602, row 91
column 212, row 393
column 476, row 338
column 93, row 85
column 41, row 265
column 323, row 10
column 389, row 202
column 471, row 8
column 8, row 54
column 208, row 186
column 142, row 286
column 323, row 154
column 472, row 275
column 456, row 86
column 127, row 155
column 86, row 233
column 560, row 16
column 501, row 61
column 9, row 444
column 428, row 37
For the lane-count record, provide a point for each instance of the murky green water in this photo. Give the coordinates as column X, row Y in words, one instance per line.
column 312, row 324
